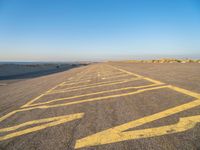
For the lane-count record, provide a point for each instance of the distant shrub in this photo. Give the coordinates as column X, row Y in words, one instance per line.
column 165, row 60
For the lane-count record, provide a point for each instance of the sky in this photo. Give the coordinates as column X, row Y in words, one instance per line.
column 81, row 30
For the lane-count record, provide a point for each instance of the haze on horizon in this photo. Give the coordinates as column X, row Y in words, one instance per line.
column 78, row 30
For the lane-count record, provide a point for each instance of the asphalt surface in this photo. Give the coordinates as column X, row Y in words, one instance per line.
column 110, row 106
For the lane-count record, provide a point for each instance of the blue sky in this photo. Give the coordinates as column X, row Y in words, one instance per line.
column 71, row 30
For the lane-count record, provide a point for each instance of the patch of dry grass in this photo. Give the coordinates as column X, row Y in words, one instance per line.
column 166, row 60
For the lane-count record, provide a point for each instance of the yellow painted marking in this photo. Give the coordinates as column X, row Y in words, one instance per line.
column 85, row 81
column 115, row 134
column 184, row 91
column 35, row 99
column 137, row 75
column 94, row 99
column 184, row 124
column 80, row 101
column 111, row 74
column 119, row 76
column 97, row 83
column 79, row 75
column 108, row 84
column 119, row 133
column 18, row 133
column 32, row 101
column 49, row 122
column 91, row 94
column 8, row 115
column 77, row 81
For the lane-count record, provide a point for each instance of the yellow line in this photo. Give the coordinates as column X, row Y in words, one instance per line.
column 77, row 81
column 184, row 91
column 125, row 71
column 8, row 115
column 184, row 124
column 108, row 75
column 112, row 135
column 108, row 78
column 94, row 99
column 80, row 75
column 97, row 83
column 8, row 129
column 91, row 84
column 86, row 81
column 91, row 94
column 30, row 102
column 35, row 99
column 118, row 133
column 137, row 75
column 49, row 123
column 71, row 90
column 80, row 101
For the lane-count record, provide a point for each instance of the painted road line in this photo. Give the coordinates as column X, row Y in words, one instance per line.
column 35, row 99
column 77, row 81
column 29, row 103
column 79, row 76
column 79, row 102
column 83, row 88
column 111, row 74
column 42, row 124
column 92, row 94
column 112, row 77
column 98, row 99
column 93, row 99
column 137, row 75
column 40, row 96
column 81, row 82
column 183, row 91
column 119, row 133
column 97, row 83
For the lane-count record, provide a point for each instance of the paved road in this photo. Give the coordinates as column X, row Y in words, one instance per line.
column 110, row 106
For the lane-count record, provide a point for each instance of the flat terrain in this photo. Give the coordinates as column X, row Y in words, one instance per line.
column 109, row 106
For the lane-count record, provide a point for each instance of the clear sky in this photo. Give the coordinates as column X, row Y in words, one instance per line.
column 71, row 30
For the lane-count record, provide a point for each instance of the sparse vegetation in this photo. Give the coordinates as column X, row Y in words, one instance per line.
column 166, row 60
